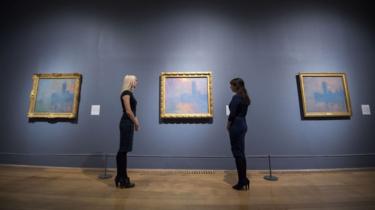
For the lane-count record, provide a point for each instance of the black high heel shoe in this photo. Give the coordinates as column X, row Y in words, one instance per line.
column 123, row 182
column 117, row 181
column 127, row 183
column 242, row 186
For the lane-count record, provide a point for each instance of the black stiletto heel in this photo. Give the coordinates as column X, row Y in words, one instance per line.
column 247, row 186
column 242, row 186
column 127, row 183
column 117, row 181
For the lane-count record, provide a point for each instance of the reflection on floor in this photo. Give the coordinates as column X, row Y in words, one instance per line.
column 69, row 188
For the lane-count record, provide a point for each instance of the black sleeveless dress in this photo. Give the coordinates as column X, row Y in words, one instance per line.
column 126, row 124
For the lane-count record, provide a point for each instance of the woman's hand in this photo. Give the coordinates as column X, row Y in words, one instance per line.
column 228, row 125
column 136, row 124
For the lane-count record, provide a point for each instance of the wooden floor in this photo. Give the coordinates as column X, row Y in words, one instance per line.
column 67, row 189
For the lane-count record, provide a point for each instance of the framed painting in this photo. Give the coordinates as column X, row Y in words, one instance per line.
column 325, row 95
column 186, row 95
column 55, row 95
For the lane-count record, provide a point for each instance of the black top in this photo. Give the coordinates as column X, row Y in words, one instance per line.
column 237, row 107
column 133, row 102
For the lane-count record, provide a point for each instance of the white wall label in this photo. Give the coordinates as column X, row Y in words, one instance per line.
column 366, row 109
column 95, row 109
column 227, row 111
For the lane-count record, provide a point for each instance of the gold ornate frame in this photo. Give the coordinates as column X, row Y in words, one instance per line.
column 348, row 113
column 52, row 115
column 165, row 75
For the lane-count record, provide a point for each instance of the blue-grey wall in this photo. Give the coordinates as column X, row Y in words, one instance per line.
column 266, row 43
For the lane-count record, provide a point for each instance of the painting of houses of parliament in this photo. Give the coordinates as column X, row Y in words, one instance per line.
column 55, row 95
column 186, row 95
column 325, row 94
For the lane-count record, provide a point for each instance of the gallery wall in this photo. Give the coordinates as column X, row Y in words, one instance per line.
column 264, row 42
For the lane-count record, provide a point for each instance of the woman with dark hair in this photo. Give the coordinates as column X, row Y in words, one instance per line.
column 237, row 129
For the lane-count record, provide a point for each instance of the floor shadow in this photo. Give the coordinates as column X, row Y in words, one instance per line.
column 94, row 174
column 91, row 168
column 230, row 177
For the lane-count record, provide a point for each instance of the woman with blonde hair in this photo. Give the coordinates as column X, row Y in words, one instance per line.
column 128, row 123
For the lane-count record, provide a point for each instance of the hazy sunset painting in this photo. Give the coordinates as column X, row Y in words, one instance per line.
column 186, row 95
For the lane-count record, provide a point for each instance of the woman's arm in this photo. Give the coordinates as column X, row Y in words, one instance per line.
column 129, row 112
column 233, row 106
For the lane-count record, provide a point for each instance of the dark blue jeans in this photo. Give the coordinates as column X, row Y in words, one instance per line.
column 237, row 133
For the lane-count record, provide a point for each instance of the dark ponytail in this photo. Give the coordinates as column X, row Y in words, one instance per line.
column 239, row 84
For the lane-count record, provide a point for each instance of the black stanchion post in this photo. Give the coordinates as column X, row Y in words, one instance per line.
column 270, row 177
column 105, row 175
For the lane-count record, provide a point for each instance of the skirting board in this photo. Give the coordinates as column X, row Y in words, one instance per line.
column 194, row 171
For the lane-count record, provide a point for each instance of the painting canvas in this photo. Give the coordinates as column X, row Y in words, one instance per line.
column 186, row 95
column 54, row 96
column 325, row 94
